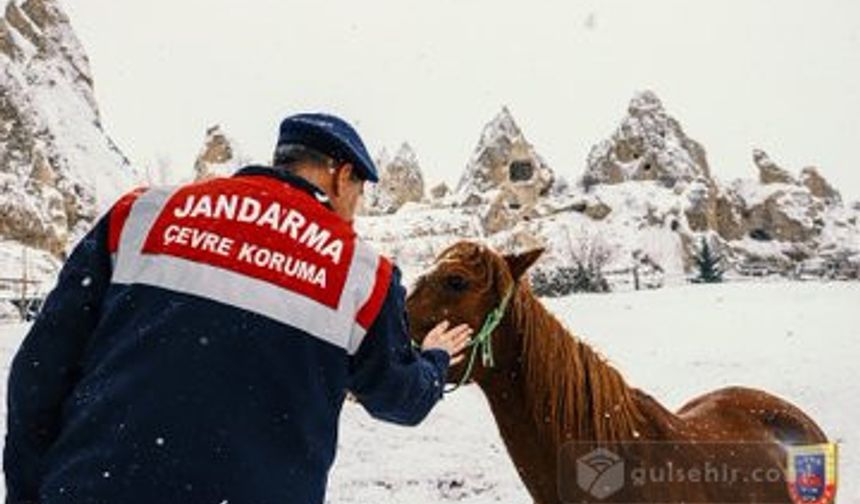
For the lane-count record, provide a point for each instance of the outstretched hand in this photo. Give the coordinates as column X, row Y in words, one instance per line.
column 453, row 341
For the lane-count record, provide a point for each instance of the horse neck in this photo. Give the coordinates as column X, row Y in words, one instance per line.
column 555, row 384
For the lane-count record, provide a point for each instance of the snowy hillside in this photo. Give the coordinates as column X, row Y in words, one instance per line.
column 647, row 196
column 58, row 168
column 798, row 340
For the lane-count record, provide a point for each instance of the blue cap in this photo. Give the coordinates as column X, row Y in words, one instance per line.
column 329, row 135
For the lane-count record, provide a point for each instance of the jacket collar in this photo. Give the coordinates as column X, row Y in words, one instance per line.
column 289, row 178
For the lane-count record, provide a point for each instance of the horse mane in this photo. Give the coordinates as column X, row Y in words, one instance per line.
column 570, row 389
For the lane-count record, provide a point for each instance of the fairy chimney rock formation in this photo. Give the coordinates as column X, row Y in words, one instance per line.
column 780, row 207
column 400, row 182
column 768, row 171
column 504, row 160
column 58, row 168
column 649, row 144
column 819, row 186
column 439, row 191
column 218, row 157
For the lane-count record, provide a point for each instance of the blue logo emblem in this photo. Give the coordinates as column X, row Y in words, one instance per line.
column 812, row 473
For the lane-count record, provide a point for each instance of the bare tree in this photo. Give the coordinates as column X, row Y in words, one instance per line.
column 589, row 254
column 589, row 250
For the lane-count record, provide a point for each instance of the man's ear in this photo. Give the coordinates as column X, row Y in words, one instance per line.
column 343, row 178
column 337, row 182
column 519, row 263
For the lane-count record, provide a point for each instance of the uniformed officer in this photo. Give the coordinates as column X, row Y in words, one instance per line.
column 200, row 340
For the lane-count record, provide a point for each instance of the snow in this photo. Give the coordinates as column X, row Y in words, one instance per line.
column 41, row 267
column 652, row 135
column 647, row 194
column 797, row 340
column 216, row 141
column 66, row 109
column 501, row 139
column 430, row 231
column 400, row 183
column 56, row 137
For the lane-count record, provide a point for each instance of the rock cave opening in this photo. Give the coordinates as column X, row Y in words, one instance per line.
column 521, row 171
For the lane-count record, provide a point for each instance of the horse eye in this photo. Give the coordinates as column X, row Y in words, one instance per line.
column 456, row 283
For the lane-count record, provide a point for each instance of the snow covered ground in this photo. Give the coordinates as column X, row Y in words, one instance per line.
column 798, row 340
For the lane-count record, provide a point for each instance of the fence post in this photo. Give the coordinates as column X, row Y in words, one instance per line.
column 24, row 275
column 636, row 276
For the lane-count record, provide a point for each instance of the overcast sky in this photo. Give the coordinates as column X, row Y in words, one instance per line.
column 781, row 75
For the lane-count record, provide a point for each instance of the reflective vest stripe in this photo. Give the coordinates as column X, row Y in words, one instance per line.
column 368, row 312
column 337, row 325
column 118, row 215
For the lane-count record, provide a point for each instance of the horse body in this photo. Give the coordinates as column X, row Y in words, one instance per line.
column 547, row 388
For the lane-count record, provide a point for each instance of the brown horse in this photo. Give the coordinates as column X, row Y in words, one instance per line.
column 547, row 391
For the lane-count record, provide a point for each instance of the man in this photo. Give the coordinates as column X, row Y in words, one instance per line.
column 200, row 340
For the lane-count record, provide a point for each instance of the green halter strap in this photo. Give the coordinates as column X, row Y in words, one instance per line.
column 483, row 341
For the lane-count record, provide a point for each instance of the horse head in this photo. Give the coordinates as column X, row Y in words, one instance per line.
column 465, row 284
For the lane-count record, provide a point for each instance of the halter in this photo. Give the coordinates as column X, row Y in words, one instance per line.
column 483, row 341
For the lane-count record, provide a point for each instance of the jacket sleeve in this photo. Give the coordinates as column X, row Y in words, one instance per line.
column 46, row 366
column 393, row 381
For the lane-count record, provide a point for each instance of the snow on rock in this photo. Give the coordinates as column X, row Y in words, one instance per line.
column 768, row 171
column 782, row 208
column 440, row 190
column 819, row 186
column 416, row 234
column 648, row 145
column 507, row 173
column 58, row 168
column 783, row 212
column 400, row 182
column 647, row 194
column 219, row 157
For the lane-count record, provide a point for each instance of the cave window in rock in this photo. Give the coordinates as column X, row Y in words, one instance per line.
column 675, row 225
column 514, row 205
column 760, row 235
column 647, row 167
column 520, row 171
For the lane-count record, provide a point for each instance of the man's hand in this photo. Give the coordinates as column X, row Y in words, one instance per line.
column 453, row 341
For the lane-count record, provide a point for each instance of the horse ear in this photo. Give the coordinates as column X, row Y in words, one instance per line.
column 519, row 263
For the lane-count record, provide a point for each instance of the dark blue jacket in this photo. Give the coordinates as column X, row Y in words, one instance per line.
column 157, row 384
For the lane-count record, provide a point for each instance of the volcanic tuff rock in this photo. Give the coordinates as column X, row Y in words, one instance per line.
column 440, row 190
column 58, row 168
column 505, row 160
column 400, row 182
column 648, row 145
column 768, row 171
column 506, row 173
column 219, row 156
column 647, row 194
column 819, row 186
